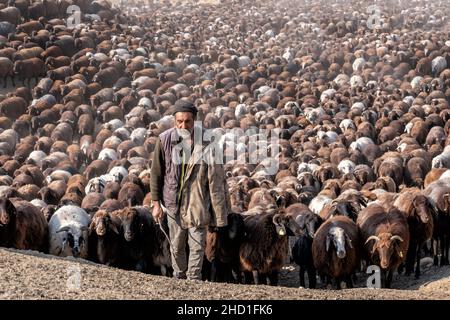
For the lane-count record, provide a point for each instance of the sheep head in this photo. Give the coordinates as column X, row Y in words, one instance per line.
column 7, row 212
column 338, row 237
column 422, row 208
column 386, row 245
column 75, row 237
column 286, row 225
column 101, row 223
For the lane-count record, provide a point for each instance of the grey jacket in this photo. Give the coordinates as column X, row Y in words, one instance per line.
column 204, row 198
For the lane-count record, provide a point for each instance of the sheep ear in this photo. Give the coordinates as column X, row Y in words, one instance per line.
column 113, row 227
column 327, row 243
column 10, row 208
column 349, row 241
column 63, row 229
column 92, row 227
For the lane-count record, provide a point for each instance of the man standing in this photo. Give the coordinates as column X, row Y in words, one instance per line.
column 193, row 191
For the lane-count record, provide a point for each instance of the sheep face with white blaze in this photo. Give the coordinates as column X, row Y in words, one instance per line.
column 338, row 238
column 74, row 241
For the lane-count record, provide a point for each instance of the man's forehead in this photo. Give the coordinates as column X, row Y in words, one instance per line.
column 183, row 116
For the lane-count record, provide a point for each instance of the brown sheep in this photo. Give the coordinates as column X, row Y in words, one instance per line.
column 104, row 238
column 29, row 68
column 92, row 202
column 263, row 252
column 6, row 70
column 13, row 107
column 28, row 192
column 86, row 125
column 415, row 172
column 419, row 213
column 336, row 250
column 23, row 226
column 53, row 192
column 385, row 235
column 131, row 194
column 95, row 169
column 433, row 175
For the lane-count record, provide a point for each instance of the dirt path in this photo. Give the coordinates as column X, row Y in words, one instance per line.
column 32, row 275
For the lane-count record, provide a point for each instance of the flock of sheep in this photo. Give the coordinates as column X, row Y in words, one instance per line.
column 362, row 112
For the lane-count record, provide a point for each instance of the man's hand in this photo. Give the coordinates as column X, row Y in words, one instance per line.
column 157, row 212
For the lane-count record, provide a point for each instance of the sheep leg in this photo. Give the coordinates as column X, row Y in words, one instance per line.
column 213, row 270
column 312, row 277
column 255, row 274
column 443, row 246
column 236, row 272
column 301, row 274
column 389, row 279
column 273, row 278
column 383, row 279
column 29, row 82
column 5, row 79
column 12, row 80
column 444, row 252
column 349, row 282
column 338, row 283
column 417, row 273
column 434, row 247
column 410, row 257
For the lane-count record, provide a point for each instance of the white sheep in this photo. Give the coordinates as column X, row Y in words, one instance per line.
column 346, row 166
column 68, row 232
column 342, row 79
column 58, row 175
column 359, row 106
column 112, row 142
column 113, row 124
column 329, row 136
column 146, row 103
column 358, row 64
column 118, row 172
column 163, row 124
column 347, row 124
column 415, row 82
column 356, row 81
column 327, row 94
column 11, row 137
column 314, row 115
column 108, row 154
column 361, row 143
column 438, row 64
column 240, row 111
column 445, row 175
column 442, row 160
column 306, row 167
column 123, row 133
column 37, row 156
column 244, row 61
column 96, row 184
column 138, row 136
column 318, row 203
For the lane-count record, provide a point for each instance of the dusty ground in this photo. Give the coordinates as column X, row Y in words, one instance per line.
column 32, row 275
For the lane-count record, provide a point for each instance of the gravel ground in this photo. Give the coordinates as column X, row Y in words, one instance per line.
column 33, row 275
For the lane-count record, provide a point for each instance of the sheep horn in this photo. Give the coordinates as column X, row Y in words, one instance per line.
column 397, row 238
column 372, row 238
column 276, row 218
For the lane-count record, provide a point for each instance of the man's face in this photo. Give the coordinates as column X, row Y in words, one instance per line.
column 184, row 120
